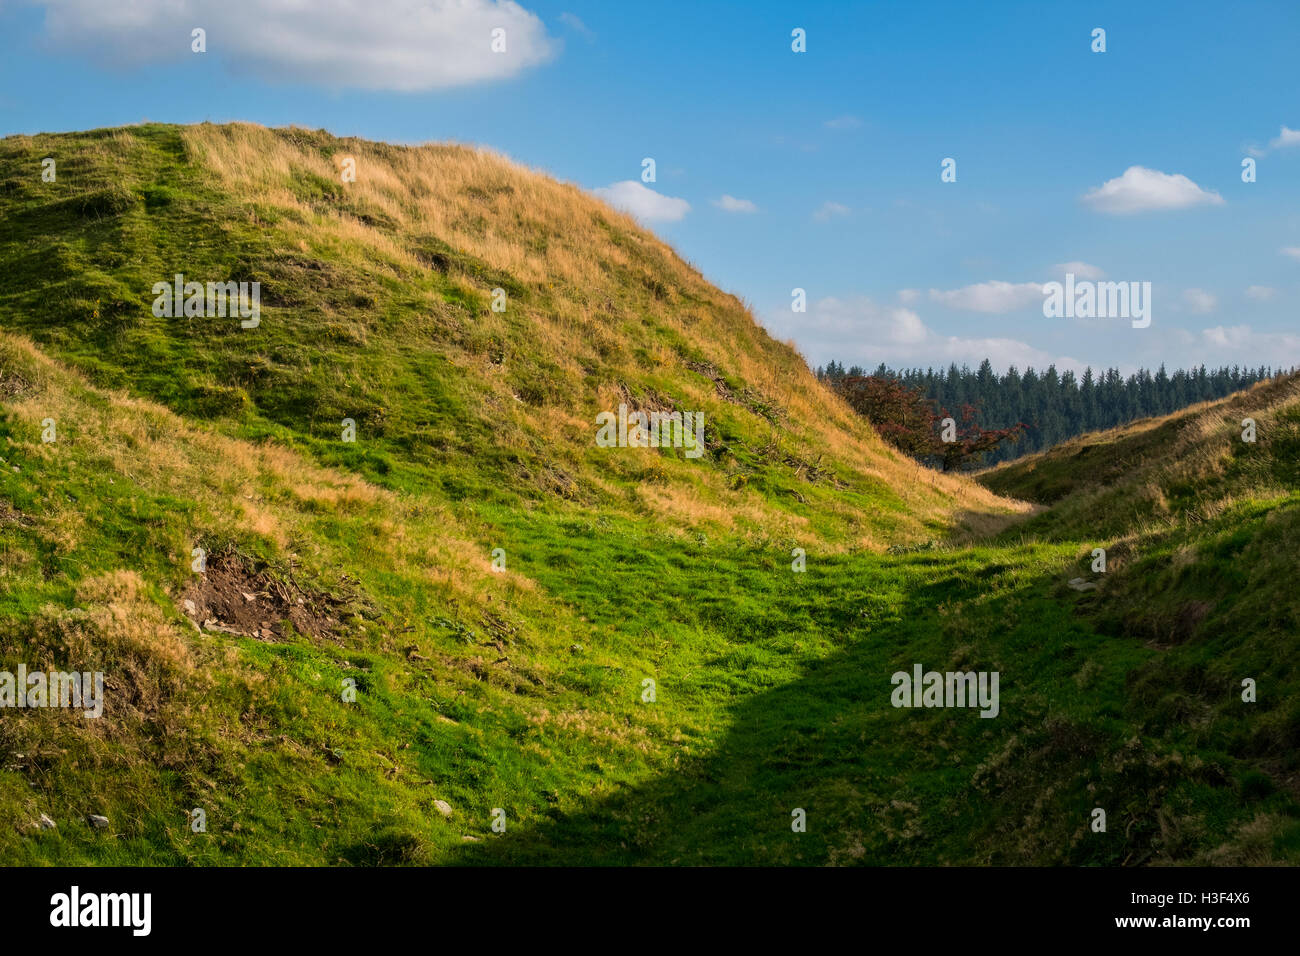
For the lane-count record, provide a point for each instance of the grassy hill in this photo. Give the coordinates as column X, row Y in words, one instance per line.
column 1199, row 525
column 371, row 562
column 1195, row 516
column 1185, row 467
column 377, row 307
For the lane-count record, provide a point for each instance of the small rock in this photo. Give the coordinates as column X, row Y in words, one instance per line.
column 443, row 807
column 248, row 597
column 190, row 609
column 469, row 839
column 98, row 822
column 47, row 823
column 1079, row 584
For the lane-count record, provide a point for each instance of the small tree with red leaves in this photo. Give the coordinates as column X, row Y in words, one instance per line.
column 903, row 416
column 970, row 441
column 906, row 419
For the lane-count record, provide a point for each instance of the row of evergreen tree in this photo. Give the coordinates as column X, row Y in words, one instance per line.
column 1058, row 405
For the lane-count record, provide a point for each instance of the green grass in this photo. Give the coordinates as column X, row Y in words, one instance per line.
column 524, row 690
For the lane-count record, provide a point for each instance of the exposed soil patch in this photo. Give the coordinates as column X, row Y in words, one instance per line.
column 750, row 398
column 233, row 598
column 12, row 384
column 11, row 515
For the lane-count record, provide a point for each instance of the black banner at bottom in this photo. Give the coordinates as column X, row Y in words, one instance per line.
column 305, row 905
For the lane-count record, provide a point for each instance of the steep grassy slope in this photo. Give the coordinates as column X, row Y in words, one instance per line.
column 1156, row 472
column 377, row 307
column 97, row 530
column 525, row 690
column 1196, row 517
column 1199, row 526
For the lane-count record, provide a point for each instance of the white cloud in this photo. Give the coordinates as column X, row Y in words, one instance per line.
column 1292, row 251
column 403, row 45
column 1278, row 349
column 1143, row 190
column 830, row 210
column 1198, row 300
column 992, row 296
column 881, row 325
column 1080, row 270
column 909, row 296
column 1288, row 137
column 843, row 122
column 574, row 23
column 646, row 204
column 1260, row 293
column 864, row 332
column 732, row 204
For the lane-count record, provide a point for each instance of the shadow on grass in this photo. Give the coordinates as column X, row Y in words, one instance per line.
column 881, row 784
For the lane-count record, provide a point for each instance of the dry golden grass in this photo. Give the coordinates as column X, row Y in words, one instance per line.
column 1189, row 467
column 1200, row 432
column 523, row 223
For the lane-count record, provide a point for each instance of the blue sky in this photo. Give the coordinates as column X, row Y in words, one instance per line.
column 833, row 154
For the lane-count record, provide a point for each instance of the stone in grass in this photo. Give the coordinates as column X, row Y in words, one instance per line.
column 443, row 807
column 47, row 824
column 1079, row 584
column 98, row 822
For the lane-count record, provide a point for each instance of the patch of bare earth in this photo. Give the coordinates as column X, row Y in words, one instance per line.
column 11, row 515
column 232, row 597
column 12, row 384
